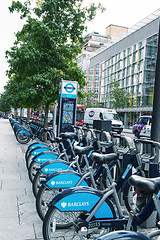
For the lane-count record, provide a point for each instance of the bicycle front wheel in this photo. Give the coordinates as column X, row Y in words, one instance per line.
column 134, row 199
column 44, row 197
column 32, row 170
column 37, row 183
column 22, row 138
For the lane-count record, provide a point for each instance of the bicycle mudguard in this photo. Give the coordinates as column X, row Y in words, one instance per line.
column 83, row 199
column 39, row 150
column 52, row 166
column 37, row 144
column 64, row 179
column 45, row 156
column 24, row 131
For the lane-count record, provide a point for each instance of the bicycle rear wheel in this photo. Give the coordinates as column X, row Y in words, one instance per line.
column 64, row 225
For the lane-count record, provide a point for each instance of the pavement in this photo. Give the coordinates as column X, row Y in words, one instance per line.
column 18, row 217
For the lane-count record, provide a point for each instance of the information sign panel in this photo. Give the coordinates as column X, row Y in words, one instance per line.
column 67, row 106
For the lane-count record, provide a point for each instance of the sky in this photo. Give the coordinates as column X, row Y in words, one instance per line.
column 118, row 12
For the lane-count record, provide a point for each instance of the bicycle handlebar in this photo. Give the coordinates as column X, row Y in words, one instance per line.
column 148, row 141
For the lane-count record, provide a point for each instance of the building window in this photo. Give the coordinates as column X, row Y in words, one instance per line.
column 124, row 72
column 128, row 70
column 129, row 60
column 124, row 62
column 127, row 81
column 150, row 63
column 150, row 51
column 129, row 51
column 140, row 65
column 134, row 57
column 141, row 53
column 134, row 48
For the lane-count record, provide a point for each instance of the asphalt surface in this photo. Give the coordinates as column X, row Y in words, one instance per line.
column 18, row 217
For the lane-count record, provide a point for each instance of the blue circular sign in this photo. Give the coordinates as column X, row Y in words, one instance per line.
column 91, row 113
column 69, row 87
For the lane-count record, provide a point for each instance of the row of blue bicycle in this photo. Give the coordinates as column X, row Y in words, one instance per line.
column 80, row 178
column 25, row 131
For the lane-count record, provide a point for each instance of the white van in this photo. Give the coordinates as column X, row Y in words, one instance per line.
column 103, row 114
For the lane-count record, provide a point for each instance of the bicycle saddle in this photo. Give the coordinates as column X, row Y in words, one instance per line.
column 56, row 140
column 48, row 129
column 68, row 135
column 83, row 150
column 104, row 158
column 147, row 185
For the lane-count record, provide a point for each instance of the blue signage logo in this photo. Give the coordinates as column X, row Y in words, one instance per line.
column 69, row 87
column 91, row 113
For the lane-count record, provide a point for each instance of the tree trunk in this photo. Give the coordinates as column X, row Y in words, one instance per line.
column 21, row 116
column 46, row 120
column 15, row 113
column 28, row 114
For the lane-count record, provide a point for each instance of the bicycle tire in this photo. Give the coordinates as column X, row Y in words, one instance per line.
column 30, row 148
column 67, row 230
column 22, row 138
column 50, row 135
column 29, row 160
column 133, row 199
column 36, row 183
column 32, row 170
column 44, row 197
column 115, row 173
column 31, row 155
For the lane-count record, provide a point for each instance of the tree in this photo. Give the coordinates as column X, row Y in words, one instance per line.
column 119, row 97
column 4, row 103
column 46, row 48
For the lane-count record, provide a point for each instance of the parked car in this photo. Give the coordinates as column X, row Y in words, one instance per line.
column 50, row 118
column 146, row 131
column 34, row 116
column 141, row 122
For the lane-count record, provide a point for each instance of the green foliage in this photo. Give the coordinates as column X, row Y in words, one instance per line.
column 119, row 97
column 46, row 49
column 4, row 103
column 89, row 99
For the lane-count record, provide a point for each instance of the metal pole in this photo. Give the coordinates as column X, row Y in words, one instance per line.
column 155, row 129
column 54, row 119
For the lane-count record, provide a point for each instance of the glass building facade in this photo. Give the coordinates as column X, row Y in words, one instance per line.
column 134, row 69
column 129, row 60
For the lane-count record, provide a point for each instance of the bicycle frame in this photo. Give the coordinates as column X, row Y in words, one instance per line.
column 99, row 208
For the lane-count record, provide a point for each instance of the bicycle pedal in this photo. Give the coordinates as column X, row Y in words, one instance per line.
column 134, row 216
column 84, row 230
column 158, row 224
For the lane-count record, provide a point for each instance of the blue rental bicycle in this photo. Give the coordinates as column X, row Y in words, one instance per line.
column 151, row 187
column 49, row 154
column 57, row 181
column 86, row 213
